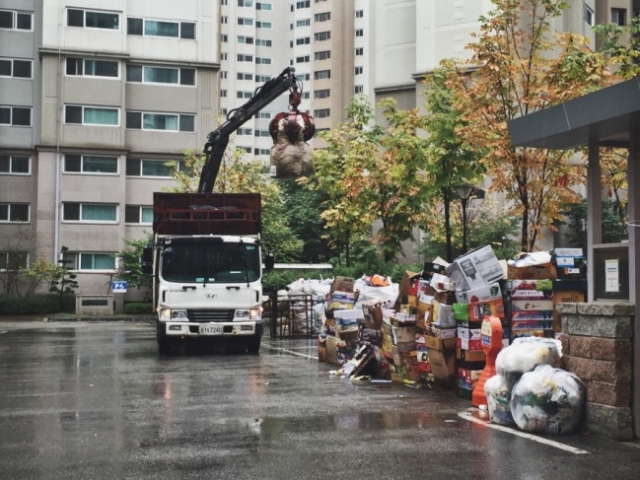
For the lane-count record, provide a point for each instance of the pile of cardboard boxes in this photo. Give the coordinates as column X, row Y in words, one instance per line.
column 432, row 332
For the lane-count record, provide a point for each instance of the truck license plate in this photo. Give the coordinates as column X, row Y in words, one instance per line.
column 210, row 330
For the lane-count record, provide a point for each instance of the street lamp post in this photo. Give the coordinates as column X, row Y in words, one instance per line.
column 464, row 192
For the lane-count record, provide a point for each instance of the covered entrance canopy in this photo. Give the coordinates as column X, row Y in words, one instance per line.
column 607, row 118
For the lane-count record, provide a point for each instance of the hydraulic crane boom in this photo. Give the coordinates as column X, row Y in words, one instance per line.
column 218, row 140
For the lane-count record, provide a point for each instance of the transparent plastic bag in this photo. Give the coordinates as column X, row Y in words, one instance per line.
column 525, row 354
column 548, row 400
column 498, row 394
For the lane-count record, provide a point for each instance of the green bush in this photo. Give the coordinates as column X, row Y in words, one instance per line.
column 39, row 304
column 138, row 308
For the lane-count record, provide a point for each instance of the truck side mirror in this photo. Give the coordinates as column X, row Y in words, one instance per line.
column 269, row 262
column 147, row 260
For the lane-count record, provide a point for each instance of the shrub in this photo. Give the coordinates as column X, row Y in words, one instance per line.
column 138, row 308
column 39, row 304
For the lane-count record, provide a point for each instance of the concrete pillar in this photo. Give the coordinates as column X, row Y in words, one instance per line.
column 633, row 206
column 594, row 213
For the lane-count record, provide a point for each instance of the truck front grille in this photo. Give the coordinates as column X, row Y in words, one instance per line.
column 210, row 315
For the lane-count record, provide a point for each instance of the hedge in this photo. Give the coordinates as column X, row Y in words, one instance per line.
column 138, row 308
column 38, row 304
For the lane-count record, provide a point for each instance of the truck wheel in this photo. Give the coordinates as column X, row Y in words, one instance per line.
column 164, row 344
column 253, row 345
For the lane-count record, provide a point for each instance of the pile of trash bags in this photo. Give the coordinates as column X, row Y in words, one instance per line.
column 530, row 392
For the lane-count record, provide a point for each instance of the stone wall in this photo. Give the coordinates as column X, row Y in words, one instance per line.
column 597, row 348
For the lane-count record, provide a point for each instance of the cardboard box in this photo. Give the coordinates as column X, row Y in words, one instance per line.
column 529, row 305
column 406, row 347
column 475, row 269
column 546, row 271
column 467, row 384
column 322, row 353
column 469, row 375
column 423, row 315
column 429, row 268
column 460, row 312
column 424, row 367
column 465, row 344
column 409, row 284
column 482, row 294
column 443, row 315
column 469, row 333
column 342, row 284
column 465, row 393
column 531, row 315
column 471, row 356
column 435, row 331
column 568, row 296
column 445, row 298
column 477, row 311
column 422, row 357
column 438, row 344
column 404, row 334
column 443, row 365
column 348, row 335
column 568, row 252
column 372, row 312
column 332, row 350
column 426, row 293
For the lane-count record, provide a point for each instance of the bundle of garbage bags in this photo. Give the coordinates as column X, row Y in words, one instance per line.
column 530, row 392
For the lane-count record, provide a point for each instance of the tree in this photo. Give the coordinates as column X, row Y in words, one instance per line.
column 130, row 266
column 622, row 46
column 64, row 283
column 238, row 176
column 517, row 68
column 40, row 271
column 450, row 160
column 613, row 230
column 13, row 259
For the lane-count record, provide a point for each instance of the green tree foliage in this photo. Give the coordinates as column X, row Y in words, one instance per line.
column 40, row 271
column 622, row 46
column 613, row 229
column 130, row 266
column 65, row 283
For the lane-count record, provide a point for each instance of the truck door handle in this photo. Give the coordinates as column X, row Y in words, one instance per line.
column 185, row 288
column 233, row 288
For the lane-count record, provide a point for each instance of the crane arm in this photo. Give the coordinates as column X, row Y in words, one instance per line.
column 218, row 140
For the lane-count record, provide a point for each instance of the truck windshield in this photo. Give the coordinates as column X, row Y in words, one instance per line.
column 211, row 262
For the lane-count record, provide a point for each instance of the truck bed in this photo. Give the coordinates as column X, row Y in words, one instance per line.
column 206, row 213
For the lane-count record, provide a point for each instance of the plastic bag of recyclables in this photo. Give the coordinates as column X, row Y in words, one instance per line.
column 525, row 354
column 498, row 394
column 548, row 400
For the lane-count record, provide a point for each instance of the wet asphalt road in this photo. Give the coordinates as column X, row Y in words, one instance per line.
column 94, row 401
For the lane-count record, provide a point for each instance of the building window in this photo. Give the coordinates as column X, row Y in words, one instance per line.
column 359, row 51
column 303, row 59
column 322, row 55
column 138, row 214
column 223, row 93
column 263, row 43
column 303, row 23
column 174, row 76
column 91, row 115
column 90, row 164
column 168, row 122
column 14, row 213
column 262, row 78
column 359, row 13
column 224, row 2
column 245, row 58
column 152, row 168
column 589, row 15
column 320, row 74
column 300, row 5
column 320, row 36
column 263, row 24
column 92, row 68
column 243, row 39
column 306, row 96
column 262, row 133
column 153, row 28
column 92, row 19
column 359, row 70
column 245, row 3
column 245, row 21
column 322, row 17
column 360, row 32
column 304, row 77
column 224, row 38
column 224, row 20
column 245, row 76
column 619, row 16
column 263, row 6
column 320, row 1
column 224, row 56
column 245, row 131
column 322, row 93
column 322, row 113
column 261, row 151
column 15, row 116
column 264, row 115
column 12, row 20
column 303, row 41
column 13, row 260
column 14, row 68
column 89, row 212
column 15, row 165
column 263, row 61
column 97, row 261
column 359, row 89
column 243, row 94
column 224, row 74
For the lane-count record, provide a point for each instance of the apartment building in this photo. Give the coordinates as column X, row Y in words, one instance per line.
column 96, row 96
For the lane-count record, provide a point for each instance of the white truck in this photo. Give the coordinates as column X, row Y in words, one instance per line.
column 206, row 261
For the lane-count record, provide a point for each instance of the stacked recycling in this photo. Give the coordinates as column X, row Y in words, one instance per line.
column 531, row 308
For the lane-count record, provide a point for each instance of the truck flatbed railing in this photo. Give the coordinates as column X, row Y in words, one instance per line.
column 206, row 213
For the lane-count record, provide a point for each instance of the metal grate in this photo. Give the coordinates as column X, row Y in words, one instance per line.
column 210, row 315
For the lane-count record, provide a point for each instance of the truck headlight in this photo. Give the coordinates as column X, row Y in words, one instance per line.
column 248, row 314
column 166, row 314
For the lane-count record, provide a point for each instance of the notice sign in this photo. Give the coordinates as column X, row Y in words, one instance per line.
column 612, row 275
column 119, row 286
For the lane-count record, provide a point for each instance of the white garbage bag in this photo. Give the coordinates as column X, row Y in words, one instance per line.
column 525, row 354
column 498, row 394
column 548, row 400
